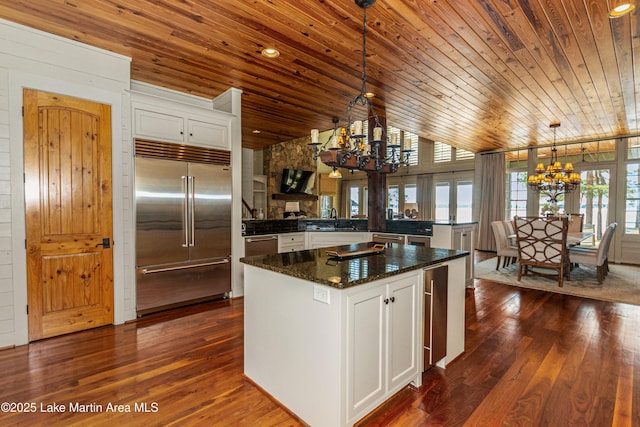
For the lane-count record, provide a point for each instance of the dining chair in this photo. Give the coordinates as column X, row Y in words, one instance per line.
column 595, row 257
column 511, row 233
column 542, row 244
column 503, row 247
column 576, row 222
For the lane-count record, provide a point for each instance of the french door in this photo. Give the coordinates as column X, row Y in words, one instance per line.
column 453, row 198
column 594, row 199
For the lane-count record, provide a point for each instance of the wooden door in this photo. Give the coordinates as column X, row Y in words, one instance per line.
column 67, row 157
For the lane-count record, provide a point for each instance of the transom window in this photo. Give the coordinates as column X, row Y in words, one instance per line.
column 441, row 152
column 406, row 140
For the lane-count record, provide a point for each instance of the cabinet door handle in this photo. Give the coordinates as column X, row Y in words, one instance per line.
column 386, row 300
column 393, row 299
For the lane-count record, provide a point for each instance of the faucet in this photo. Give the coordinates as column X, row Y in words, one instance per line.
column 333, row 214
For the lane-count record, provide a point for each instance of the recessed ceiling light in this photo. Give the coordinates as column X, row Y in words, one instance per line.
column 369, row 94
column 256, row 131
column 270, row 52
column 621, row 8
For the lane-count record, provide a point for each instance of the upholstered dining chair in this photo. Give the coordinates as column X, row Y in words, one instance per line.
column 503, row 247
column 511, row 233
column 576, row 221
column 542, row 243
column 595, row 257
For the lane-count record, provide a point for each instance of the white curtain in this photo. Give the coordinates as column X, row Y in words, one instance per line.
column 492, row 198
column 425, row 196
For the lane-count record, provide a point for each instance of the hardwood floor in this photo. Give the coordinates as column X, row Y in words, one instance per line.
column 531, row 359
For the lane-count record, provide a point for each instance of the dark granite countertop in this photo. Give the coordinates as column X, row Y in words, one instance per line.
column 316, row 266
column 281, row 226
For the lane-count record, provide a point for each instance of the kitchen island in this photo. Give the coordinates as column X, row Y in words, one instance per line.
column 332, row 338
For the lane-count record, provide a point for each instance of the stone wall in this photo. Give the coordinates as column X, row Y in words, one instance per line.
column 294, row 154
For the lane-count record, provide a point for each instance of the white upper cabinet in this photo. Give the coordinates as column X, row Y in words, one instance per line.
column 157, row 126
column 160, row 119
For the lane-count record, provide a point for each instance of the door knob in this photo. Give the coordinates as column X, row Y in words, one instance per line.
column 106, row 243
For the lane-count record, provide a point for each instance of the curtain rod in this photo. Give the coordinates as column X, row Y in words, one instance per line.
column 582, row 141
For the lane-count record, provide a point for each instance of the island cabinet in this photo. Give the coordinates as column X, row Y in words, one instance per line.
column 291, row 242
column 456, row 236
column 382, row 325
column 331, row 339
column 331, row 356
column 322, row 239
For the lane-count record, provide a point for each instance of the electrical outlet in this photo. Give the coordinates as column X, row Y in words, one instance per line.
column 321, row 293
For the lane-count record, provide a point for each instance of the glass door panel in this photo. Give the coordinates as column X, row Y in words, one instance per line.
column 393, row 200
column 594, row 200
column 442, row 201
column 464, row 201
column 354, row 201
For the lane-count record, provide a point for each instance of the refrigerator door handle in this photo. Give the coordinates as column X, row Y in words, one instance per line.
column 192, row 218
column 185, row 221
column 182, row 267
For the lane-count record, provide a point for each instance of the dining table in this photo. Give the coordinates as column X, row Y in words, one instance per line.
column 573, row 239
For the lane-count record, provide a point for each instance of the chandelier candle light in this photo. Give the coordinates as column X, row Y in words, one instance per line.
column 554, row 180
column 347, row 148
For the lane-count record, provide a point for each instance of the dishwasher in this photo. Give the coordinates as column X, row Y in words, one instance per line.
column 387, row 238
column 419, row 240
column 261, row 245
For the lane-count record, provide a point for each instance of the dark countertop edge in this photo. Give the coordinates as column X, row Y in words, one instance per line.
column 417, row 227
column 419, row 265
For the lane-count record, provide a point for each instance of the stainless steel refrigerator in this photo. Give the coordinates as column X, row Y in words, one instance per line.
column 183, row 230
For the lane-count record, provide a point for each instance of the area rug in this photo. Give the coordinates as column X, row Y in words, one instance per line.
column 622, row 284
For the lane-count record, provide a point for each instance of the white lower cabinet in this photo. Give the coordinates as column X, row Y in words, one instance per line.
column 382, row 343
column 291, row 242
column 332, row 355
column 320, row 239
column 457, row 236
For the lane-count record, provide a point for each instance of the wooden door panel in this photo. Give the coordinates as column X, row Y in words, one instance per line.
column 68, row 190
column 67, row 282
column 68, row 211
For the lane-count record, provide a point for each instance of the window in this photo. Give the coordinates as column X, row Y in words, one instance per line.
column 516, row 185
column 411, row 143
column 633, row 148
column 441, row 152
column 393, row 200
column 326, row 203
column 516, row 194
column 410, row 201
column 442, row 201
column 546, row 206
column 406, row 140
column 357, row 205
column 596, row 151
column 593, row 200
column 354, row 201
column 464, row 200
column 632, row 202
column 464, row 155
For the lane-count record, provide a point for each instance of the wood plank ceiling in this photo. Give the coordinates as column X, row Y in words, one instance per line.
column 477, row 74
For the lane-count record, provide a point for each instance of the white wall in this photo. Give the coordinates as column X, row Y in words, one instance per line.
column 41, row 61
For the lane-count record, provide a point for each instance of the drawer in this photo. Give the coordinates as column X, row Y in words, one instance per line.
column 291, row 247
column 291, row 238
